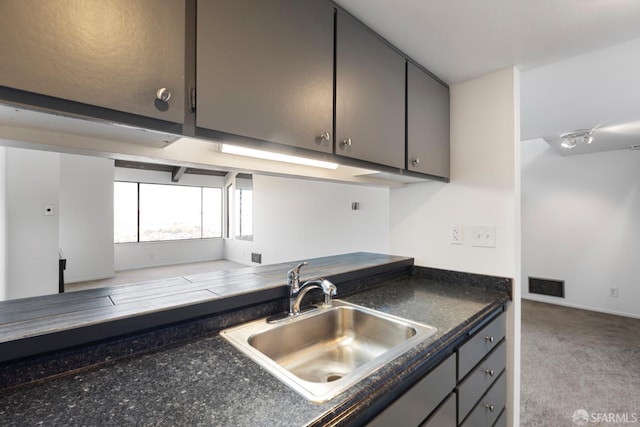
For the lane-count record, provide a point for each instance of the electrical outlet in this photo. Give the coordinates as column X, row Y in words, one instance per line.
column 483, row 237
column 456, row 235
column 613, row 292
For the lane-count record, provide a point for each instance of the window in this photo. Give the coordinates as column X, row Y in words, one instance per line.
column 125, row 213
column 211, row 212
column 228, row 222
column 157, row 212
column 244, row 207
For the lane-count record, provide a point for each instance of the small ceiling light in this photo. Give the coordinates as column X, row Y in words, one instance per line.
column 571, row 139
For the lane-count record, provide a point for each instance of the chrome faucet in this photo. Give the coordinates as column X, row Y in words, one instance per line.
column 297, row 291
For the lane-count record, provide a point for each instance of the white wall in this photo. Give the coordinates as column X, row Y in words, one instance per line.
column 484, row 191
column 150, row 254
column 580, row 224
column 3, row 223
column 33, row 180
column 86, row 217
column 298, row 218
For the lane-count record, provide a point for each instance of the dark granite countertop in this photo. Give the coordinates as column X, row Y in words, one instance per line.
column 208, row 382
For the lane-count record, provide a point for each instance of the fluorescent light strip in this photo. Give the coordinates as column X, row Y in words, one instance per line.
column 266, row 155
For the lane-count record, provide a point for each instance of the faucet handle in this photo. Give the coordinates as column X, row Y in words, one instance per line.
column 295, row 271
column 293, row 275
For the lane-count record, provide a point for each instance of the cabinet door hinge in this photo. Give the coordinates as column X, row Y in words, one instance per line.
column 192, row 99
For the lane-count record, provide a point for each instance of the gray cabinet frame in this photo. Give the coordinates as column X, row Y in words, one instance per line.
column 112, row 54
column 427, row 124
column 265, row 70
column 370, row 95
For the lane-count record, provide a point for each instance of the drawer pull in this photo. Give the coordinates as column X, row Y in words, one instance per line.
column 490, row 339
column 489, row 407
column 489, row 372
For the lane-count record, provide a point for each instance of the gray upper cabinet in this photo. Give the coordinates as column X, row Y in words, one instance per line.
column 427, row 124
column 265, row 70
column 115, row 54
column 370, row 96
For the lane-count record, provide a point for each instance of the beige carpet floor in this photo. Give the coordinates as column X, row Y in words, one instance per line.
column 577, row 359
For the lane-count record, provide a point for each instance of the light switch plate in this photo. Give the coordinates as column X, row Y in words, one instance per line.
column 48, row 210
column 483, row 237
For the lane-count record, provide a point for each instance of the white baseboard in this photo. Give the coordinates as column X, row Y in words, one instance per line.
column 581, row 307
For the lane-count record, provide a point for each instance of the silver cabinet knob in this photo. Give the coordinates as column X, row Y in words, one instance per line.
column 163, row 94
column 416, row 161
column 489, row 407
column 347, row 142
column 490, row 339
column 325, row 136
column 489, row 372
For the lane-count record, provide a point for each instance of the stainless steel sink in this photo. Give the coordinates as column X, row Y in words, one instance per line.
column 323, row 352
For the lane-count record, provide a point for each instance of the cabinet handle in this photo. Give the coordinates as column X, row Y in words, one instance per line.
column 489, row 372
column 325, row 136
column 347, row 142
column 490, row 339
column 416, row 161
column 163, row 94
column 489, row 407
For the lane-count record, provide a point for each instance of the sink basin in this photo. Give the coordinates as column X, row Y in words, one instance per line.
column 323, row 352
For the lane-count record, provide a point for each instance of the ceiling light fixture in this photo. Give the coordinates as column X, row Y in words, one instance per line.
column 571, row 139
column 267, row 155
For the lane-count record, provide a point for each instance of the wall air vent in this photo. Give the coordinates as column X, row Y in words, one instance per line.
column 554, row 288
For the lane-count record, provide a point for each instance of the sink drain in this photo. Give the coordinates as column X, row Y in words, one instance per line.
column 333, row 377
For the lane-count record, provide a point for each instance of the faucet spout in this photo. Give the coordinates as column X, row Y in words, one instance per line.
column 328, row 288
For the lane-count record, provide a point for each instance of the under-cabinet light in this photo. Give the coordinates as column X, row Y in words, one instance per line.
column 267, row 155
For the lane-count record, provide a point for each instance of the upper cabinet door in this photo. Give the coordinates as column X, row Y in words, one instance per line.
column 115, row 54
column 427, row 124
column 370, row 96
column 265, row 70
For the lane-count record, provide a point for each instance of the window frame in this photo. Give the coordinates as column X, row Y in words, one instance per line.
column 201, row 187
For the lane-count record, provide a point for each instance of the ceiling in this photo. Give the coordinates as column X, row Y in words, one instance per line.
column 579, row 58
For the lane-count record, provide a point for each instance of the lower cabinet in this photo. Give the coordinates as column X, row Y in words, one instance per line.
column 413, row 407
column 467, row 389
column 482, row 388
column 444, row 416
column 476, row 384
column 502, row 419
column 490, row 406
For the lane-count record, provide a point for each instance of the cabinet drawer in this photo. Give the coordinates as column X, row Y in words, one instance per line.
column 480, row 345
column 445, row 415
column 490, row 405
column 502, row 419
column 418, row 402
column 480, row 379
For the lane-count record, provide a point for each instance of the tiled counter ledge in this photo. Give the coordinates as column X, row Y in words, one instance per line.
column 206, row 381
column 35, row 325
